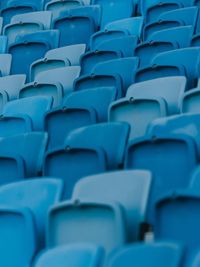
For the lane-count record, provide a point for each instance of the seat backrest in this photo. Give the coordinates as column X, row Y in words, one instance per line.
column 57, row 6
column 5, row 64
column 129, row 188
column 190, row 101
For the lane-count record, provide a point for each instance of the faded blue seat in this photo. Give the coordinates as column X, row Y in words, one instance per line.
column 76, row 255
column 190, row 101
column 82, row 221
column 84, row 20
column 36, row 194
column 3, row 44
column 58, row 58
column 5, row 64
column 129, row 188
column 27, row 23
column 29, row 48
column 163, row 254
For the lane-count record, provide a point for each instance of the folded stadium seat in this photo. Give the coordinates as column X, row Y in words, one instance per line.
column 113, row 10
column 195, row 179
column 57, row 58
column 17, row 236
column 179, row 17
column 195, row 40
column 36, row 194
column 1, row 25
column 27, row 23
column 77, row 221
column 188, row 124
column 83, row 20
column 3, row 99
column 170, row 157
column 28, row 149
column 56, row 83
column 176, row 212
column 97, row 148
column 76, row 255
column 151, row 9
column 169, row 88
column 180, row 62
column 165, row 254
column 108, row 50
column 11, row 85
column 30, row 47
column 138, row 112
column 3, row 44
column 79, row 109
column 162, row 41
column 129, row 188
column 57, row 6
column 11, row 8
column 190, row 101
column 124, row 67
column 117, row 29
column 5, row 64
column 32, row 107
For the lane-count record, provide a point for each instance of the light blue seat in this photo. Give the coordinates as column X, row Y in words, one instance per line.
column 170, row 157
column 27, row 23
column 1, row 25
column 11, row 85
column 5, row 64
column 115, row 10
column 17, row 235
column 190, row 101
column 165, row 254
column 56, row 83
column 57, row 6
column 76, row 255
column 169, row 88
column 129, row 188
column 36, row 194
column 117, row 29
column 57, row 58
column 188, row 124
column 28, row 149
column 14, row 7
column 179, row 17
column 177, row 218
column 83, row 20
column 162, row 41
column 29, row 48
column 3, row 99
column 32, row 107
column 3, row 44
column 86, row 221
column 180, row 62
column 138, row 112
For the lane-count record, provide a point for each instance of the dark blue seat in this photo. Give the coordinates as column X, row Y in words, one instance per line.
column 29, row 48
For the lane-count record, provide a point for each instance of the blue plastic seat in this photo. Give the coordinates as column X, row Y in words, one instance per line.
column 170, row 157
column 177, row 218
column 57, row 6
column 27, row 23
column 22, row 155
column 76, row 255
column 129, row 188
column 55, row 83
column 83, row 20
column 169, row 88
column 3, row 99
column 165, row 254
column 58, row 58
column 3, row 44
column 138, row 112
column 29, row 48
column 86, row 221
column 115, row 10
column 32, row 107
column 36, row 194
column 190, row 101
column 162, row 41
column 1, row 25
column 17, row 235
column 180, row 62
column 117, row 29
column 10, row 85
column 188, row 124
column 11, row 8
column 178, row 17
column 5, row 64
